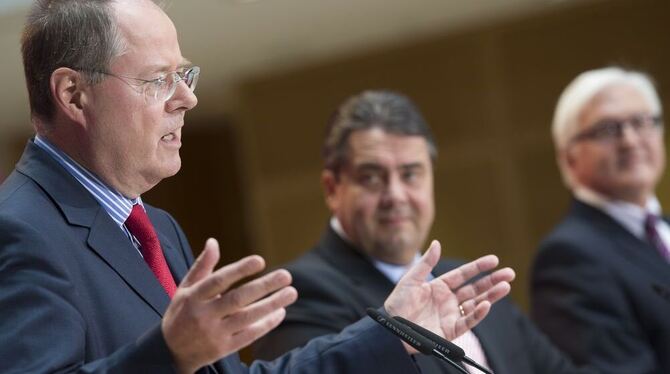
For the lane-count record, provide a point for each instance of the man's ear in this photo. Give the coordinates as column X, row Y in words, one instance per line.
column 329, row 184
column 68, row 93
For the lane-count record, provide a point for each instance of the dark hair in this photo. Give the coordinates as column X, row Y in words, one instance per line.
column 66, row 33
column 390, row 111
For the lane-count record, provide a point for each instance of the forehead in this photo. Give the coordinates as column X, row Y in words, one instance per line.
column 615, row 101
column 149, row 35
column 380, row 147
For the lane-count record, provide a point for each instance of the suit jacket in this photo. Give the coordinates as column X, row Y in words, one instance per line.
column 601, row 294
column 76, row 296
column 336, row 283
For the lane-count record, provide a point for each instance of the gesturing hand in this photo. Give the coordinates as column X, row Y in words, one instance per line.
column 208, row 319
column 436, row 304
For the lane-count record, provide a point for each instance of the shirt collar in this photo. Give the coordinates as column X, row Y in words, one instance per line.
column 115, row 204
column 391, row 271
column 629, row 215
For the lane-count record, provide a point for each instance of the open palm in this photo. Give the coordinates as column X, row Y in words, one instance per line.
column 452, row 303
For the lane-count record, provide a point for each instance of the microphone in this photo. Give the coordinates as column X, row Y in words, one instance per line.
column 411, row 337
column 450, row 349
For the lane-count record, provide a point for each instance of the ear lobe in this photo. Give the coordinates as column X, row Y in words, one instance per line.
column 67, row 87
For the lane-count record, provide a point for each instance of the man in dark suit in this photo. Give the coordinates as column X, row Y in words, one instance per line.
column 601, row 278
column 378, row 181
column 94, row 280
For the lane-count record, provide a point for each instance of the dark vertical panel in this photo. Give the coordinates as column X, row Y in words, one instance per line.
column 205, row 196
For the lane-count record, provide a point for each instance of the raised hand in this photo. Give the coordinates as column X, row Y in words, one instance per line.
column 448, row 305
column 208, row 318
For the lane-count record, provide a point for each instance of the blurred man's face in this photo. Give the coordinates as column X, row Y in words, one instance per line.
column 383, row 196
column 624, row 165
column 133, row 141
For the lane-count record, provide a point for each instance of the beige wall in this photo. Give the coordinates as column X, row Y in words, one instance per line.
column 488, row 93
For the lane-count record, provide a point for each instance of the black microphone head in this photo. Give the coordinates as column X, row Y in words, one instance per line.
column 411, row 337
column 443, row 345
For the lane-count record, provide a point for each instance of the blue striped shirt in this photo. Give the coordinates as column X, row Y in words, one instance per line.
column 115, row 204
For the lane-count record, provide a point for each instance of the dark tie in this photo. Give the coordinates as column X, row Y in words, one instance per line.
column 139, row 225
column 653, row 236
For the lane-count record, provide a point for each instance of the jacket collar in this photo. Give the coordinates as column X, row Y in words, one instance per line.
column 105, row 237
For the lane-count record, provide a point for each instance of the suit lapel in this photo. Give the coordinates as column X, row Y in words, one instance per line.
column 342, row 255
column 105, row 238
column 173, row 257
column 626, row 245
column 489, row 333
column 109, row 241
column 641, row 255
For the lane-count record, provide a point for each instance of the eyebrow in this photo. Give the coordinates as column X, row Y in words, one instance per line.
column 164, row 68
column 184, row 63
column 367, row 166
column 371, row 166
column 412, row 165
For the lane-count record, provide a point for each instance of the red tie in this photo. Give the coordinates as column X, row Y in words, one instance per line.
column 139, row 225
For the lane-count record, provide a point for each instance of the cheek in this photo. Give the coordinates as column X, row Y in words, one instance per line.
column 363, row 207
column 592, row 163
column 425, row 210
column 657, row 152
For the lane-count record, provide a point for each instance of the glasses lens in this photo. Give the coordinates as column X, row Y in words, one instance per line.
column 163, row 89
column 191, row 77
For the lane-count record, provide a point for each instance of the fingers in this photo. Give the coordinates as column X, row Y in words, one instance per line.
column 257, row 311
column 420, row 270
column 221, row 280
column 481, row 286
column 257, row 329
column 473, row 318
column 459, row 276
column 247, row 293
column 204, row 264
column 494, row 294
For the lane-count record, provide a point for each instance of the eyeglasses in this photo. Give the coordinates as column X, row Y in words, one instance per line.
column 162, row 88
column 609, row 130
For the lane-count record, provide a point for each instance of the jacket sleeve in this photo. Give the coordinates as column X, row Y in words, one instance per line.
column 364, row 347
column 324, row 306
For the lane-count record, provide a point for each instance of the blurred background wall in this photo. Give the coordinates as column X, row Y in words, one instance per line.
column 485, row 73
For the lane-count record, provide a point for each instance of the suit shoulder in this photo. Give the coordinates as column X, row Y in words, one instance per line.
column 574, row 234
column 311, row 267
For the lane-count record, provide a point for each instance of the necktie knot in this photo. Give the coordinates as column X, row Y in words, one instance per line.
column 140, row 226
column 651, row 220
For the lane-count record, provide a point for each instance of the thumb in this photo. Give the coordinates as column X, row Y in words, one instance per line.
column 419, row 271
column 204, row 264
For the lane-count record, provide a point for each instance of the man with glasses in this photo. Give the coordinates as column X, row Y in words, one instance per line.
column 93, row 280
column 601, row 278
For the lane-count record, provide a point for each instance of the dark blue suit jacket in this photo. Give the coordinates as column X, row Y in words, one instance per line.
column 602, row 294
column 75, row 296
column 337, row 283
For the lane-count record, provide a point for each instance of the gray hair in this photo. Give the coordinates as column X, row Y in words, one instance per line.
column 387, row 110
column 78, row 34
column 581, row 91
